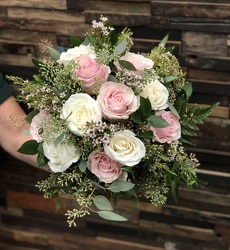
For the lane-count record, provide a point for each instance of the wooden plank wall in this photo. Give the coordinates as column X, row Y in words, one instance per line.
column 200, row 220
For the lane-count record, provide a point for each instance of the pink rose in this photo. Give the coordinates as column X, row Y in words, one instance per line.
column 36, row 125
column 117, row 100
column 92, row 73
column 170, row 133
column 139, row 62
column 106, row 169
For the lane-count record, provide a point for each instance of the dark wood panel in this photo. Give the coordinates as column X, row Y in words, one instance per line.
column 199, row 220
column 191, row 9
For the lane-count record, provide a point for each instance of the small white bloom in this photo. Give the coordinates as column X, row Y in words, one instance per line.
column 125, row 148
column 60, row 156
column 157, row 94
column 73, row 53
column 79, row 110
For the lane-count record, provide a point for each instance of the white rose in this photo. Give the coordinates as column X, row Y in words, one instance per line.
column 125, row 148
column 157, row 94
column 73, row 53
column 60, row 156
column 79, row 110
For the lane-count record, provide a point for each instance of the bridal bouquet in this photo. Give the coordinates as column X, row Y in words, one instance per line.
column 110, row 123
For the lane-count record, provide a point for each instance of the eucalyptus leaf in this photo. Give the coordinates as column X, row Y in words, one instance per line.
column 120, row 186
column 112, row 78
column 132, row 193
column 157, row 122
column 55, row 55
column 109, row 215
column 97, row 184
column 188, row 89
column 168, row 79
column 127, row 65
column 174, row 111
column 60, row 139
column 82, row 166
column 102, row 203
column 120, row 48
column 29, row 148
column 86, row 41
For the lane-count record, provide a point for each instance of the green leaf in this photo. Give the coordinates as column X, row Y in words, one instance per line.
column 168, row 79
column 86, row 41
column 41, row 160
column 132, row 192
column 187, row 131
column 165, row 39
column 145, row 107
column 82, row 166
column 40, row 148
column 102, row 203
column 174, row 189
column 97, row 185
column 120, row 48
column 29, row 148
column 128, row 169
column 31, row 115
column 109, row 215
column 169, row 49
column 190, row 125
column 174, row 111
column 146, row 134
column 206, row 111
column 127, row 65
column 75, row 41
column 112, row 78
column 60, row 139
column 120, row 186
column 37, row 63
column 135, row 117
column 188, row 89
column 157, row 122
column 181, row 103
column 55, row 55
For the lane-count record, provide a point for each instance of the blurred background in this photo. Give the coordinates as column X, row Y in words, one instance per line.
column 200, row 220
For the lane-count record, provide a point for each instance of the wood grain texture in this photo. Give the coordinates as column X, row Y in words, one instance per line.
column 199, row 30
column 191, row 9
column 41, row 4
